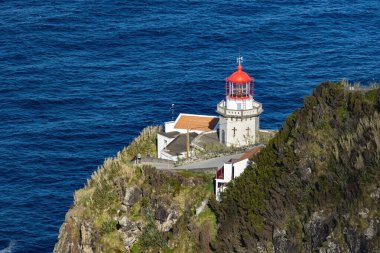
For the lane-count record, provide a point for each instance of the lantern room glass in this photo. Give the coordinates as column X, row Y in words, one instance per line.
column 239, row 90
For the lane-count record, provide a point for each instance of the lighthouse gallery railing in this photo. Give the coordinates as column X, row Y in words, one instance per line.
column 222, row 109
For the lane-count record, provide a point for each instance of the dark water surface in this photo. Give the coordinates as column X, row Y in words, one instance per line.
column 80, row 79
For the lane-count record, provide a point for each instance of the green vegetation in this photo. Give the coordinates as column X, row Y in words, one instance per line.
column 322, row 165
column 144, row 144
column 152, row 238
column 102, row 218
column 316, row 184
column 265, row 136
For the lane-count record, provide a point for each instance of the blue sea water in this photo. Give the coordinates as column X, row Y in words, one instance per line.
column 80, row 79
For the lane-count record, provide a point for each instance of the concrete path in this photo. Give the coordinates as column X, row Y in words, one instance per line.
column 210, row 163
column 206, row 164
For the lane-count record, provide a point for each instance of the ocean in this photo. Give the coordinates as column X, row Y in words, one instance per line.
column 80, row 79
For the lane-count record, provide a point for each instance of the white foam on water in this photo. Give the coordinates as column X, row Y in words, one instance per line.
column 10, row 247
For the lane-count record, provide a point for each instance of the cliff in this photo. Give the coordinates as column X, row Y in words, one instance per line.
column 315, row 187
column 138, row 208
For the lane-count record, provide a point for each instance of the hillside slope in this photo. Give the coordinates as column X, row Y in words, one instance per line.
column 138, row 208
column 316, row 186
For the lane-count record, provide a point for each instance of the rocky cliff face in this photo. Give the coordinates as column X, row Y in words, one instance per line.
column 315, row 187
column 136, row 208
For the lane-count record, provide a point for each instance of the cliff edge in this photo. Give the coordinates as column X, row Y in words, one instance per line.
column 126, row 207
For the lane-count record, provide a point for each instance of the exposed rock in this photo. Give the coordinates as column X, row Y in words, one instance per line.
column 331, row 245
column 305, row 173
column 279, row 240
column 201, row 207
column 354, row 241
column 370, row 232
column 161, row 214
column 261, row 247
column 69, row 240
column 376, row 194
column 119, row 187
column 129, row 230
column 86, row 235
column 319, row 227
column 166, row 217
column 167, row 225
column 132, row 195
column 364, row 213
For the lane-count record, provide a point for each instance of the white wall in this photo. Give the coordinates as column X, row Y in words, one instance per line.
column 233, row 104
column 162, row 142
column 223, row 130
column 169, row 126
column 240, row 166
column 227, row 172
column 241, row 137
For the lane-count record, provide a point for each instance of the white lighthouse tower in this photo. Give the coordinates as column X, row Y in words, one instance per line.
column 239, row 113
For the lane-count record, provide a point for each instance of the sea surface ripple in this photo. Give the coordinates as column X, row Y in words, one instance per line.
column 80, row 79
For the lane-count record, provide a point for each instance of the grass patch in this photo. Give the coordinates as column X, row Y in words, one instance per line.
column 136, row 248
column 207, row 215
column 111, row 242
column 144, row 144
column 108, row 226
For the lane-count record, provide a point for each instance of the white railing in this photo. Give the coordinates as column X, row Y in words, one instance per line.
column 222, row 109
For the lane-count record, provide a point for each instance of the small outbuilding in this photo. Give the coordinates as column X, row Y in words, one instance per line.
column 232, row 169
column 176, row 141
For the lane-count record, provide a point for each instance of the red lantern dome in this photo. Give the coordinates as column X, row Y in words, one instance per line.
column 239, row 85
column 239, row 76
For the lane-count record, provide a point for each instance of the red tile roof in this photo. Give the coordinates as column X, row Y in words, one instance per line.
column 197, row 123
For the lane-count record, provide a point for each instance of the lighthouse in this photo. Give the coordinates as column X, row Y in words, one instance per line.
column 239, row 113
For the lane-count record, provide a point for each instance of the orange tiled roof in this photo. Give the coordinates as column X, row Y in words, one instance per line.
column 251, row 153
column 197, row 123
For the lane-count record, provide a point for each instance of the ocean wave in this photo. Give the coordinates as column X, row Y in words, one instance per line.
column 10, row 248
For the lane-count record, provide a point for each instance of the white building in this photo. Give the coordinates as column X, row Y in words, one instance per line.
column 232, row 169
column 176, row 140
column 239, row 113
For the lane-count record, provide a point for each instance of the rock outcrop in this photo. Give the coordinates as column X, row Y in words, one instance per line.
column 132, row 195
column 130, row 231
